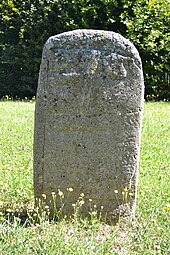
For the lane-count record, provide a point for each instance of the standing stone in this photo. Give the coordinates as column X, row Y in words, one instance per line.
column 88, row 120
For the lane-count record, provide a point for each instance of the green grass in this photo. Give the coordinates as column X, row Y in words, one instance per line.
column 147, row 234
column 16, row 141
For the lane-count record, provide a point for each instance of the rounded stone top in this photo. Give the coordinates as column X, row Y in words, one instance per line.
column 93, row 39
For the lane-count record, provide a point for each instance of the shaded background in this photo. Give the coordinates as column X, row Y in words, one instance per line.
column 26, row 25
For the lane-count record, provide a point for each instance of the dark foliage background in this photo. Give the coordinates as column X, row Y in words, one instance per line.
column 26, row 25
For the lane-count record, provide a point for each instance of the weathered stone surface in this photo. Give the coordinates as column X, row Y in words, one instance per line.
column 88, row 118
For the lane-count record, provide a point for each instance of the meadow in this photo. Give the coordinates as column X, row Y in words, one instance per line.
column 147, row 234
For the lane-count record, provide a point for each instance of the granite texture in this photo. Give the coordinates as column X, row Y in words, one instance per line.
column 88, row 120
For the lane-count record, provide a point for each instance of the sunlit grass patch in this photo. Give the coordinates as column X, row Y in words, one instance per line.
column 16, row 158
column 22, row 233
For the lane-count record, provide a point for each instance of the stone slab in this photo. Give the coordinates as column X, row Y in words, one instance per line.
column 88, row 120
